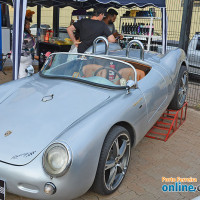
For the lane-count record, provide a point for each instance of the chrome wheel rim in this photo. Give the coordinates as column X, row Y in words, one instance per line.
column 117, row 162
column 183, row 87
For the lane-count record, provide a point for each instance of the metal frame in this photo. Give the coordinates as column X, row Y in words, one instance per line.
column 97, row 40
column 140, row 45
column 142, row 36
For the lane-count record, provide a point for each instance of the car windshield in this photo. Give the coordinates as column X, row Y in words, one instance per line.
column 89, row 68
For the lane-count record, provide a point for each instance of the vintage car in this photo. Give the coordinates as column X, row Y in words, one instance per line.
column 71, row 126
column 193, row 55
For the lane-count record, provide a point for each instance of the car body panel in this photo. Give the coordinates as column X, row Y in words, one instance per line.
column 80, row 114
column 84, row 150
column 193, row 54
column 154, row 102
column 64, row 95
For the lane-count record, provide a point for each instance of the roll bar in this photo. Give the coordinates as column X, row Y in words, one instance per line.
column 95, row 44
column 140, row 45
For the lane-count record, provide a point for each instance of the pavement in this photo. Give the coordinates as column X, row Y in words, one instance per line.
column 151, row 160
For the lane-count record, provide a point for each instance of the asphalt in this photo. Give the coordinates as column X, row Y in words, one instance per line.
column 151, row 160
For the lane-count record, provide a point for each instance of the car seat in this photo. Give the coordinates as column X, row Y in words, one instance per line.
column 90, row 69
column 129, row 74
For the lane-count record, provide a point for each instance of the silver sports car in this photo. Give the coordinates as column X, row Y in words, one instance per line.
column 71, row 126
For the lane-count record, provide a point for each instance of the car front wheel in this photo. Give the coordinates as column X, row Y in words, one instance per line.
column 113, row 162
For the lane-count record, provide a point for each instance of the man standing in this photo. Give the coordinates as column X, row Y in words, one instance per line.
column 109, row 20
column 89, row 30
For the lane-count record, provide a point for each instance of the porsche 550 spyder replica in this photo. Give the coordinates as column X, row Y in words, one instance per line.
column 71, row 126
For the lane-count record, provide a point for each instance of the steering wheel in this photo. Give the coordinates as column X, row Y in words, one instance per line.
column 107, row 70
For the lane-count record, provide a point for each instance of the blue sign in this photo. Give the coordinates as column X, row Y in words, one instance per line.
column 0, row 42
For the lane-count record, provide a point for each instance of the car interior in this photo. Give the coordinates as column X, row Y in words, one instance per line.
column 127, row 73
column 109, row 70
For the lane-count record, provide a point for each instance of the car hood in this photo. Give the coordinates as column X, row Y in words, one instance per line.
column 38, row 111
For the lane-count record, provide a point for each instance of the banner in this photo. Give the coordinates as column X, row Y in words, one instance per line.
column 18, row 31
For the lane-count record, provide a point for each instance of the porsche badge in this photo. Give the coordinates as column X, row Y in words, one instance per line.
column 7, row 133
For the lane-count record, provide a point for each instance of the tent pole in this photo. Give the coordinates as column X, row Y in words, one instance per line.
column 164, row 30
column 56, row 21
column 186, row 24
column 18, row 31
column 38, row 26
column 38, row 17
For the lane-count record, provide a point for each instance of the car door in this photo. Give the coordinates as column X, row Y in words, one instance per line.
column 154, row 87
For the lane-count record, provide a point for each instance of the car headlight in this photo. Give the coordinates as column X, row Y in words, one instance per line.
column 57, row 159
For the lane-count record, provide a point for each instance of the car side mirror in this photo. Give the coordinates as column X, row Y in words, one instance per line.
column 130, row 84
column 29, row 70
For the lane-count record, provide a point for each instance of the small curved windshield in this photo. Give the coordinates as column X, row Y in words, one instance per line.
column 89, row 68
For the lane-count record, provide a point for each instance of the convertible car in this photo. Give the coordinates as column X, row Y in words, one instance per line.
column 71, row 126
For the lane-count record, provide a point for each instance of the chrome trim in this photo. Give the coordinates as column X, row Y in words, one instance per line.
column 183, row 88
column 130, row 84
column 66, row 146
column 100, row 56
column 140, row 45
column 118, row 165
column 29, row 70
column 95, row 44
column 53, row 187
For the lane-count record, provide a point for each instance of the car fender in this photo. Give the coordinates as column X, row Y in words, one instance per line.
column 87, row 136
column 172, row 63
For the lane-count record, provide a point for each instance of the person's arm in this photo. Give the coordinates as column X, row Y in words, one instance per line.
column 116, row 34
column 108, row 34
column 111, row 38
column 70, row 31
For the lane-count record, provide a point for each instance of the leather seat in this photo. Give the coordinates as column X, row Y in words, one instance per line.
column 140, row 74
column 129, row 74
column 90, row 69
column 126, row 73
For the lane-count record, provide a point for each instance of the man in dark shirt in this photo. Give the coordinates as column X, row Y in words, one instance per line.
column 89, row 30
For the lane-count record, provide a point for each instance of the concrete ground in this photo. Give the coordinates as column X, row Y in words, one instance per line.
column 153, row 159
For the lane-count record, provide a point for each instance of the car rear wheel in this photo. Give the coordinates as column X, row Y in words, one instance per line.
column 113, row 162
column 181, row 89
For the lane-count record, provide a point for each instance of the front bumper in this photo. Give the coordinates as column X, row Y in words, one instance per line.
column 29, row 181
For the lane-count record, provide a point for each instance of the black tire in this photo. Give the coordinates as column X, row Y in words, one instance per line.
column 181, row 89
column 108, row 180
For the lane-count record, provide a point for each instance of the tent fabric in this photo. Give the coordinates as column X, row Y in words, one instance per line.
column 87, row 4
column 18, row 31
column 131, row 3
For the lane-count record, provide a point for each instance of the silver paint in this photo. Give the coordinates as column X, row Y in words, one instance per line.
column 79, row 115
